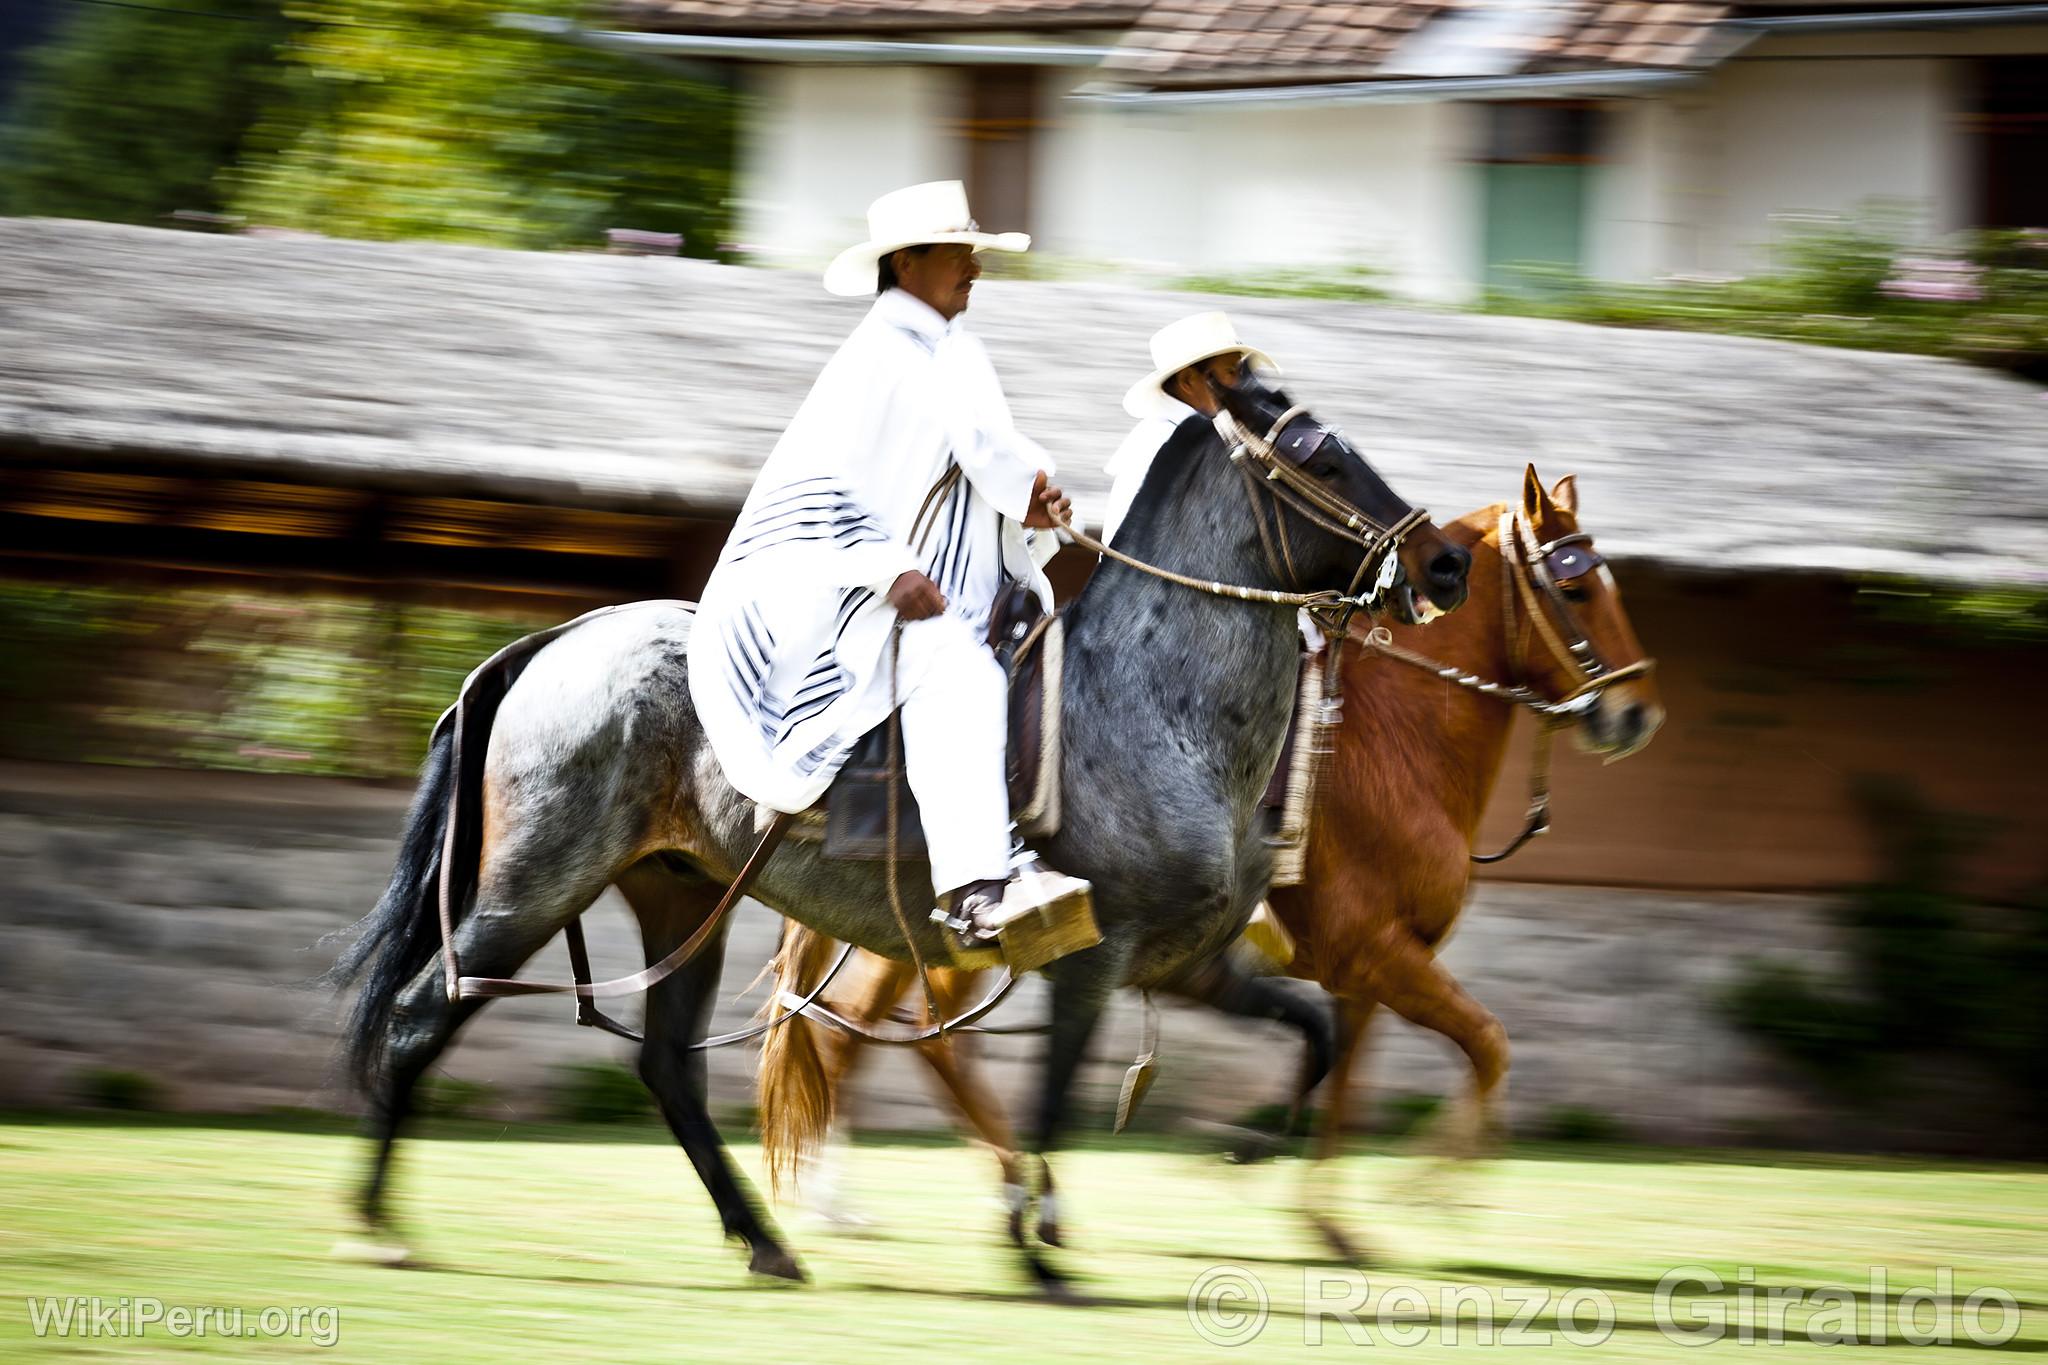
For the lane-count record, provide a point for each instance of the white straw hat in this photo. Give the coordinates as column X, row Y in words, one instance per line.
column 1181, row 344
column 920, row 215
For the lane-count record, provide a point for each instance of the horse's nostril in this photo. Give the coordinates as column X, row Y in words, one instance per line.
column 1448, row 568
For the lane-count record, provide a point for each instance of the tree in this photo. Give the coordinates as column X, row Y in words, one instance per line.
column 128, row 113
column 428, row 119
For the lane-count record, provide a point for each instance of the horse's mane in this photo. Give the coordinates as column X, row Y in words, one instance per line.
column 1174, row 461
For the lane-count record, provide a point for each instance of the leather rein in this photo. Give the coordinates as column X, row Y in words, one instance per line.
column 1544, row 569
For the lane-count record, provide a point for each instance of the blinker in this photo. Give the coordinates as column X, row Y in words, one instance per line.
column 1571, row 561
column 1300, row 442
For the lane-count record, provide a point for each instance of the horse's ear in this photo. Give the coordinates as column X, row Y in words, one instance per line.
column 1535, row 502
column 1566, row 494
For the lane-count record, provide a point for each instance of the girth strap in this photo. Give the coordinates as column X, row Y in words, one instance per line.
column 491, row 986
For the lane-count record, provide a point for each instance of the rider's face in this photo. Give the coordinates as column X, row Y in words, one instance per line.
column 941, row 275
column 1188, row 385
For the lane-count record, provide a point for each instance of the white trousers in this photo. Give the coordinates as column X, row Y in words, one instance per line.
column 955, row 741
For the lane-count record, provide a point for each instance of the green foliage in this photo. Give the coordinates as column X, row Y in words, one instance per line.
column 1982, row 298
column 446, row 1097
column 1355, row 283
column 1576, row 1123
column 1931, row 975
column 210, row 679
column 426, row 119
column 110, row 1088
column 2006, row 614
column 127, row 114
column 601, row 1092
column 1403, row 1114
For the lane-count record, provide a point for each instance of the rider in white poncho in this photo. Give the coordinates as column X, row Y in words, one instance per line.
column 789, row 663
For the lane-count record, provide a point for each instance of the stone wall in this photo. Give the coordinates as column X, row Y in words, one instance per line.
column 172, row 924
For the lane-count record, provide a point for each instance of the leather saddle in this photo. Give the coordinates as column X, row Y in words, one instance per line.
column 853, row 816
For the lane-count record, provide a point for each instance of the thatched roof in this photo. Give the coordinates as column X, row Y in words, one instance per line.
column 659, row 384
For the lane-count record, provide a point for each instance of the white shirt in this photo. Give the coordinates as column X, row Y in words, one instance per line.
column 788, row 665
column 1133, row 458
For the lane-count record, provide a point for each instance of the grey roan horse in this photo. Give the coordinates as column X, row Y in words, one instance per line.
column 597, row 773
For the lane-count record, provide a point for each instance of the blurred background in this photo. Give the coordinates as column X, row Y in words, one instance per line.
column 341, row 343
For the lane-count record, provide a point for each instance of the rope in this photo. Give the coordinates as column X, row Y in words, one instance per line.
column 924, row 978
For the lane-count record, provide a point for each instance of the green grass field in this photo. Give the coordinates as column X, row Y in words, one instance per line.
column 598, row 1245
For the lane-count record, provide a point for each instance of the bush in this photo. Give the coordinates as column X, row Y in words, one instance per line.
column 1932, row 976
column 129, row 113
column 432, row 119
column 601, row 1092
column 1576, row 1123
column 1404, row 1114
column 1356, row 283
column 1981, row 297
column 129, row 1091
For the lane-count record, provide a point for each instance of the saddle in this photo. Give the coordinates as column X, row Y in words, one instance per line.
column 852, row 819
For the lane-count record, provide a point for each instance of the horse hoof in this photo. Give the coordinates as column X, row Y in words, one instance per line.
column 1339, row 1242
column 364, row 1252
column 1051, row 1283
column 777, row 1264
column 1255, row 1147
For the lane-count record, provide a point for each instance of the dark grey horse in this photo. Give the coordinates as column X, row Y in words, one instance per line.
column 597, row 773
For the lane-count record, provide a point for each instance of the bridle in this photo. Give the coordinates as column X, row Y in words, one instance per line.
column 1283, row 452
column 1545, row 567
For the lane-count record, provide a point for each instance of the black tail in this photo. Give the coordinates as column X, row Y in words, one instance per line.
column 403, row 933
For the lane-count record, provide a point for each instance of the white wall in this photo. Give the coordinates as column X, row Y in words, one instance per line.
column 822, row 142
column 1706, row 179
column 1826, row 136
column 1239, row 189
column 1696, row 180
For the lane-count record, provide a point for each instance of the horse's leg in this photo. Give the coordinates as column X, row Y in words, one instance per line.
column 669, row 906
column 1354, row 1015
column 869, row 1000
column 1222, row 984
column 977, row 1103
column 527, row 889
column 1407, row 976
column 1081, row 987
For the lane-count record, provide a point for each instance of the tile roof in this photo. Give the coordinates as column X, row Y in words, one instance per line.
column 579, row 379
column 1654, row 33
column 845, row 16
column 1235, row 42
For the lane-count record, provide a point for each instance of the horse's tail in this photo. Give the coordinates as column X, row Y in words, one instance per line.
column 793, row 1089
column 403, row 933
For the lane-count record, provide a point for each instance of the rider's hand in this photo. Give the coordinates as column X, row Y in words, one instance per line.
column 1049, row 506
column 915, row 597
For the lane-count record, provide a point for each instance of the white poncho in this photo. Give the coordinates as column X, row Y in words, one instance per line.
column 788, row 659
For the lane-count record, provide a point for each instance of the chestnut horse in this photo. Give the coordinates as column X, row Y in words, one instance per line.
column 1390, row 855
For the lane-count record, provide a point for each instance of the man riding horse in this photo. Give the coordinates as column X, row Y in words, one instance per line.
column 862, row 571
column 1192, row 361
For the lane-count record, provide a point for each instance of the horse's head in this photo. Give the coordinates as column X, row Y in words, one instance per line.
column 1427, row 573
column 1571, row 630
